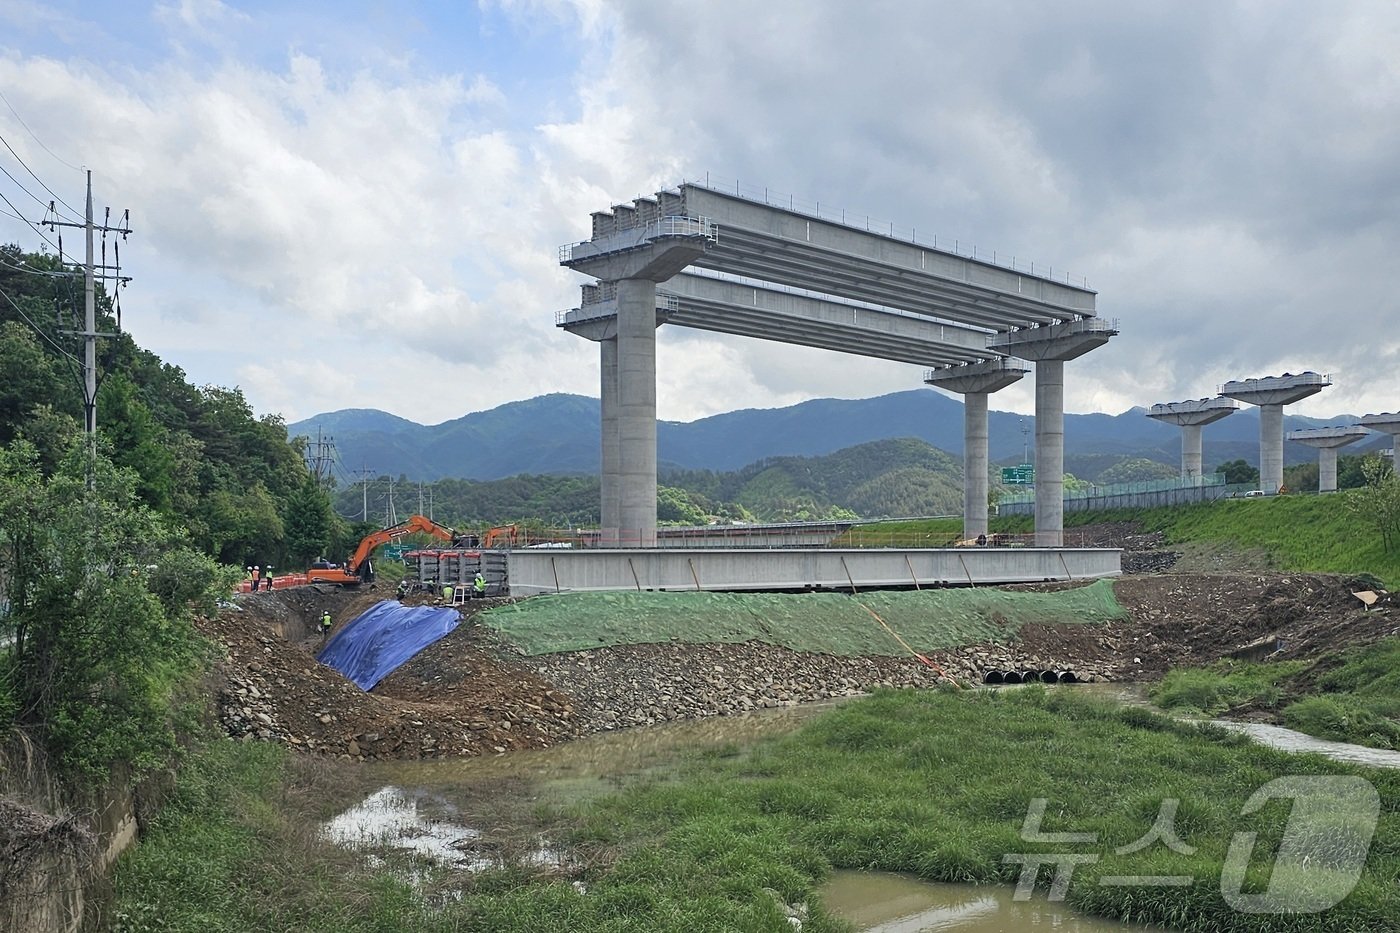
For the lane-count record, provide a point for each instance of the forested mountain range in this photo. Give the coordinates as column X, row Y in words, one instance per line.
column 903, row 476
column 559, row 434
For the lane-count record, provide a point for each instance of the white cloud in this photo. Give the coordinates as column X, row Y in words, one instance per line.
column 1228, row 178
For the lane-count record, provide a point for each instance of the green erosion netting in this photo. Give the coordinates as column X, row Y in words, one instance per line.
column 827, row 623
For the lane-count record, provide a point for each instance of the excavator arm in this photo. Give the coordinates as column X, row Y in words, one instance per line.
column 358, row 568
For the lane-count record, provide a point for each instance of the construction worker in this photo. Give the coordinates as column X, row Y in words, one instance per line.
column 447, row 592
column 257, row 576
column 479, row 586
column 403, row 588
column 324, row 626
column 267, row 577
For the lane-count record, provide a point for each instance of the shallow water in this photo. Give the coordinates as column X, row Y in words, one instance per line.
column 878, row 902
column 575, row 766
column 1290, row 741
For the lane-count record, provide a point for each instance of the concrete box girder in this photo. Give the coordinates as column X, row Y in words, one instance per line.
column 729, row 307
column 860, row 279
column 781, row 228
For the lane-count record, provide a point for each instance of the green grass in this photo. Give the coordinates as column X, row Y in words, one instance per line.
column 1358, row 700
column 930, row 783
column 1349, row 696
column 1222, row 685
column 1300, row 533
column 827, row 623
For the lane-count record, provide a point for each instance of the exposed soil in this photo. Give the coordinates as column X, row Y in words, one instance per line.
column 472, row 694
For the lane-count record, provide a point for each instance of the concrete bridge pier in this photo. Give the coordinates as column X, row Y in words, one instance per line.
column 1049, row 347
column 630, row 254
column 1191, row 417
column 1271, row 393
column 975, row 382
column 1327, row 441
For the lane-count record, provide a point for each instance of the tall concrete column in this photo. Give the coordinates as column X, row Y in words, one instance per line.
column 636, row 411
column 974, row 464
column 974, row 382
column 1191, row 451
column 1270, row 447
column 611, row 480
column 1049, row 452
column 1327, row 469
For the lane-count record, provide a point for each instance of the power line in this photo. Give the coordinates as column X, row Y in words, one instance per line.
column 36, row 138
column 20, row 215
column 36, row 177
column 39, row 330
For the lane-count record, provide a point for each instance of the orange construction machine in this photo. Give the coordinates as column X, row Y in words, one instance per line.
column 358, row 568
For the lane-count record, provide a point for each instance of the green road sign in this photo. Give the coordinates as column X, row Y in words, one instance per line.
column 1020, row 475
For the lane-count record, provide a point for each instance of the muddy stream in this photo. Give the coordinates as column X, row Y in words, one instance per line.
column 436, row 813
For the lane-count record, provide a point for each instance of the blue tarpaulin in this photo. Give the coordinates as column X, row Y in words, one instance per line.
column 383, row 637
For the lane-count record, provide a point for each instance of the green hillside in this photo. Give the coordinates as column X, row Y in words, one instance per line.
column 1304, row 533
column 894, row 477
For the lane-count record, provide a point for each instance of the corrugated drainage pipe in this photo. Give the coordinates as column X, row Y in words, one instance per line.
column 994, row 677
column 1069, row 677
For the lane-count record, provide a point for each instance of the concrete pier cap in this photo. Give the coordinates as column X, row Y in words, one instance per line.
column 1201, row 411
column 1271, row 393
column 983, row 376
column 1385, row 423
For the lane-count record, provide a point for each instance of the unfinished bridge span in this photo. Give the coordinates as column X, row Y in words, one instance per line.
column 777, row 273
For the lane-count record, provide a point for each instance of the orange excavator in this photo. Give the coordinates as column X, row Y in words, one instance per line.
column 358, row 568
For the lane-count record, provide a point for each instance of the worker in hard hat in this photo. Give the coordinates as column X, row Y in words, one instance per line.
column 479, row 586
column 324, row 626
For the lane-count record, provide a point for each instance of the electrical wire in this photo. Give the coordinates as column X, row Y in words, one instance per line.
column 55, row 194
column 39, row 330
column 37, row 200
column 28, row 221
column 36, row 138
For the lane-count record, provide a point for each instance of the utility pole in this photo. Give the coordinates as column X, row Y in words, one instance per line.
column 323, row 460
column 89, row 332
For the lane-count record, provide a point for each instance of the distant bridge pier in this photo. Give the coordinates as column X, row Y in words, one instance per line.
column 1271, row 393
column 1050, row 346
column 1386, row 423
column 1327, row 441
column 1191, row 416
column 975, row 382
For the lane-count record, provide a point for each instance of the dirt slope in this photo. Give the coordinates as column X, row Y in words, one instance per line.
column 472, row 694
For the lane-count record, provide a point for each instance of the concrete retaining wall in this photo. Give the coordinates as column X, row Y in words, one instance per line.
column 557, row 571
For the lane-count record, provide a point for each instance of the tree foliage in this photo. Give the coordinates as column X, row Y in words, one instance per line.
column 1239, row 473
column 1377, row 502
column 200, row 456
column 100, row 595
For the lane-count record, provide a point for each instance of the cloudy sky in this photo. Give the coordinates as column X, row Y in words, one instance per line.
column 360, row 203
